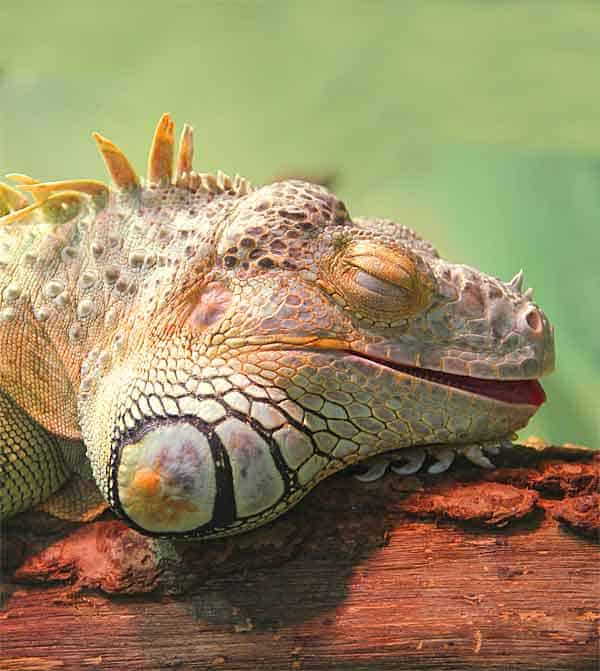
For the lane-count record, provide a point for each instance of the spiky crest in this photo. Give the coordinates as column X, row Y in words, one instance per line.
column 10, row 199
column 160, row 159
column 185, row 156
column 14, row 206
column 119, row 168
column 19, row 178
column 92, row 187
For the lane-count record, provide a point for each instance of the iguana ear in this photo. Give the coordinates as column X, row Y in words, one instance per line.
column 35, row 377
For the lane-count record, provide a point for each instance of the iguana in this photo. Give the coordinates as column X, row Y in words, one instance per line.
column 214, row 350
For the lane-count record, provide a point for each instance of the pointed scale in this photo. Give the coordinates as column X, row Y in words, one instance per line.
column 19, row 178
column 160, row 160
column 19, row 215
column 516, row 284
column 123, row 175
column 185, row 155
column 11, row 199
column 91, row 187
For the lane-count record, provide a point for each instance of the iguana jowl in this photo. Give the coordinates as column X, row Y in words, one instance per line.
column 219, row 349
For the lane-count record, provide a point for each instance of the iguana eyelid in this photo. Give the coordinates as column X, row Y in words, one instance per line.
column 378, row 286
column 386, row 263
column 382, row 270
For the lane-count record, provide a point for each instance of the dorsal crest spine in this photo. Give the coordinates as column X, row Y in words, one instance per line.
column 14, row 206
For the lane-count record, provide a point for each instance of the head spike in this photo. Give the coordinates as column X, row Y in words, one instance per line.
column 516, row 284
column 19, row 178
column 92, row 187
column 11, row 199
column 57, row 208
column 528, row 295
column 185, row 154
column 97, row 190
column 160, row 160
column 19, row 215
column 123, row 175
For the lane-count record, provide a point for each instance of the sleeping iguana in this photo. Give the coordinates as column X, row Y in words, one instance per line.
column 213, row 350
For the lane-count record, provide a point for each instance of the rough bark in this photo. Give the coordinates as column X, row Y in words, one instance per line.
column 468, row 570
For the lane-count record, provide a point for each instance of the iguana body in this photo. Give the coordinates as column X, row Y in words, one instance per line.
column 219, row 349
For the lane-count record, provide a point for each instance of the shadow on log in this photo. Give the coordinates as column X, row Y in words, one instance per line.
column 466, row 570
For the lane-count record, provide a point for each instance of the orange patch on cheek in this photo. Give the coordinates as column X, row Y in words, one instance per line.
column 212, row 304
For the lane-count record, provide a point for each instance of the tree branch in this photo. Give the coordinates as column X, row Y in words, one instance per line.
column 468, row 570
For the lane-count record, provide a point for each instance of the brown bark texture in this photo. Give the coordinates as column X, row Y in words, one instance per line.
column 470, row 569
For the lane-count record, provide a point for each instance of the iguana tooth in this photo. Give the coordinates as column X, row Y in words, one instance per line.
column 160, row 160
column 516, row 284
column 185, row 156
column 123, row 175
column 11, row 199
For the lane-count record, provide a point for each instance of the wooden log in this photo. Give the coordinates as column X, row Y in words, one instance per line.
column 468, row 570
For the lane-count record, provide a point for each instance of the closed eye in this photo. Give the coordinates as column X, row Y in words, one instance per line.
column 377, row 286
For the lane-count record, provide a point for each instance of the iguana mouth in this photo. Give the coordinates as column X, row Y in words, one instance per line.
column 517, row 392
column 521, row 392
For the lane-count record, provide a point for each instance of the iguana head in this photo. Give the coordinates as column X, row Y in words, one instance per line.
column 262, row 339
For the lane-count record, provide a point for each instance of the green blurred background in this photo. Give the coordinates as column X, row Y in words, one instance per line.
column 476, row 123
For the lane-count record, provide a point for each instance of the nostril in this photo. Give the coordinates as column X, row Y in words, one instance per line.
column 534, row 320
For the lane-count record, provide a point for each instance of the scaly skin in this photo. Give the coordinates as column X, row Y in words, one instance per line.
column 219, row 349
